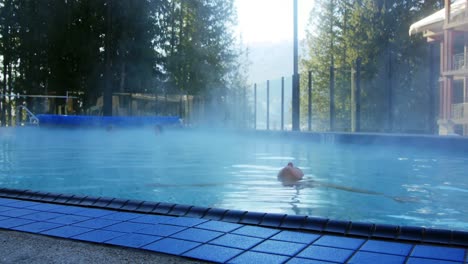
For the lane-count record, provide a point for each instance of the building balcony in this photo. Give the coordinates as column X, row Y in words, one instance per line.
column 459, row 67
column 460, row 113
column 459, row 62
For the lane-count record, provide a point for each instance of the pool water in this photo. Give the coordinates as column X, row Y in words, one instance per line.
column 381, row 184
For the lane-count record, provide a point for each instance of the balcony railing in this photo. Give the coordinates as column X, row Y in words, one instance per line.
column 459, row 62
column 460, row 111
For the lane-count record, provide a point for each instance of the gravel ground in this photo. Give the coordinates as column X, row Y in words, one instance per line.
column 19, row 247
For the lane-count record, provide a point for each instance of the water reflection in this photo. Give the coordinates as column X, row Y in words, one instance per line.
column 347, row 182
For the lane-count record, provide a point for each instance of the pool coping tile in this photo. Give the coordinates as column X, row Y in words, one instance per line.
column 215, row 213
column 279, row 247
column 116, row 203
column 272, row 220
column 439, row 253
column 12, row 222
column 92, row 212
column 131, row 205
column 315, row 224
column 373, row 257
column 386, row 231
column 236, row 241
column 252, row 218
column 219, row 226
column 97, row 223
column 133, row 240
column 121, row 216
column 103, row 201
column 151, row 219
column 161, row 230
column 126, row 227
column 146, row 207
column 412, row 233
column 437, row 236
column 66, row 231
column 296, row 237
column 76, row 199
column 17, row 212
column 197, row 212
column 163, row 208
column 293, row 221
column 337, row 226
column 197, row 235
column 361, row 229
column 387, row 247
column 171, row 246
column 5, row 201
column 459, row 238
column 185, row 221
column 326, row 253
column 42, row 216
column 234, row 216
column 68, row 219
column 98, row 235
column 258, row 257
column 339, row 242
column 180, row 210
column 279, row 236
column 37, row 227
column 88, row 201
column 256, row 231
column 213, row 253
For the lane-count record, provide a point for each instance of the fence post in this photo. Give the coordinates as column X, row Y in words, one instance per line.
column 295, row 86
column 332, row 98
column 432, row 90
column 389, row 84
column 295, row 103
column 309, row 114
column 358, row 94
column 244, row 106
column 282, row 103
column 255, row 106
column 268, row 105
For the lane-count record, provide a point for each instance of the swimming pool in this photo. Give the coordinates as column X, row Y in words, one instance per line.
column 390, row 184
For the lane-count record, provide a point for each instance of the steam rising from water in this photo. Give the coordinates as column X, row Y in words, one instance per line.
column 228, row 170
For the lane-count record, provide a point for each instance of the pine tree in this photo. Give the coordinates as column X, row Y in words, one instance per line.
column 393, row 64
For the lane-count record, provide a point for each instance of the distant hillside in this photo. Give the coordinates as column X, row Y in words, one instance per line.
column 270, row 61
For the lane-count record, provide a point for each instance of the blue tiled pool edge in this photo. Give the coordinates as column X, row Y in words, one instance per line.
column 283, row 221
column 224, row 236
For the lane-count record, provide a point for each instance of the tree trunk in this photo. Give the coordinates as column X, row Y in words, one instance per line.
column 6, row 57
column 107, row 96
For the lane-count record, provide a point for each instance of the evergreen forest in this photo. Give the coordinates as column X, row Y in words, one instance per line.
column 99, row 47
column 398, row 72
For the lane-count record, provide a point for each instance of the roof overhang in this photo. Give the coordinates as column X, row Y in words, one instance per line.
column 435, row 22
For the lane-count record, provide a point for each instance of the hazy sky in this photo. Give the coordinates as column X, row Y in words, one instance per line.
column 266, row 27
column 271, row 20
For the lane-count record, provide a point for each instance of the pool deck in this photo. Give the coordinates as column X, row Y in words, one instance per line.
column 224, row 239
column 21, row 247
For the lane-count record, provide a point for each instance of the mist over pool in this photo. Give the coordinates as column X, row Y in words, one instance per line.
column 382, row 184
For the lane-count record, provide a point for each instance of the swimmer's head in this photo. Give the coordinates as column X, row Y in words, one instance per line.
column 290, row 174
column 158, row 129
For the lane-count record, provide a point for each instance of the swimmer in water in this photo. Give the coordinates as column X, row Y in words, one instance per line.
column 158, row 129
column 293, row 176
column 290, row 174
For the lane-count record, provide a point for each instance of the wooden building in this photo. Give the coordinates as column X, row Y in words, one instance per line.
column 449, row 27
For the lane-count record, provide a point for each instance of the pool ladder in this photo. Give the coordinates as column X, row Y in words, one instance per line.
column 32, row 118
column 327, row 138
